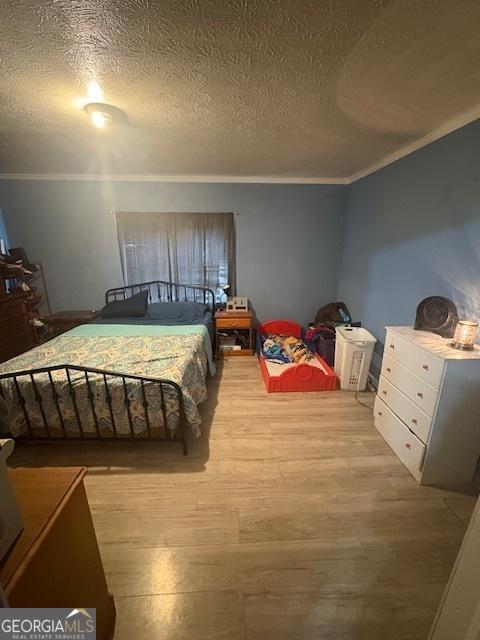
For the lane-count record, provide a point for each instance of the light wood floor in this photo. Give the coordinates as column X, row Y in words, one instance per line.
column 290, row 520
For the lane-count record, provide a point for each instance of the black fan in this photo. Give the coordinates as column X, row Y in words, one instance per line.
column 437, row 315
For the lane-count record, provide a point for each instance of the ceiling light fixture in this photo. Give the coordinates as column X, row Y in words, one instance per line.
column 95, row 93
column 102, row 114
column 99, row 119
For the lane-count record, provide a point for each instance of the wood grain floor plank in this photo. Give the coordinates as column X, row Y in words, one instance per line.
column 168, row 526
column 144, row 491
column 204, row 616
column 311, row 466
column 361, row 610
column 302, row 566
column 369, row 519
column 278, row 493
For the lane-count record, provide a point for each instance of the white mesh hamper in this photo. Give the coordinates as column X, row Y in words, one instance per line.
column 353, row 354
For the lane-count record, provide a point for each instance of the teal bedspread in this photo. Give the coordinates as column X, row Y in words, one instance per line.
column 157, row 331
column 181, row 354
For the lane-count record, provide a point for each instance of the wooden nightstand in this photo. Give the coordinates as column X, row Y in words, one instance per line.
column 63, row 321
column 233, row 329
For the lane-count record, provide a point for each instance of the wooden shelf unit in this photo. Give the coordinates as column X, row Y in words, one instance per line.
column 32, row 289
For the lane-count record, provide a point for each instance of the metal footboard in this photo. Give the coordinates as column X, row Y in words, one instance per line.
column 34, row 389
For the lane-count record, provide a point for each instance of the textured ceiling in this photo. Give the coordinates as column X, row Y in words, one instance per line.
column 231, row 87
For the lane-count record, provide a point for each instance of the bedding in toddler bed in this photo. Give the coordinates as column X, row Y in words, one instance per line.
column 282, row 349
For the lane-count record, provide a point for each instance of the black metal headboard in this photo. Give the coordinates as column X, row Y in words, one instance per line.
column 161, row 291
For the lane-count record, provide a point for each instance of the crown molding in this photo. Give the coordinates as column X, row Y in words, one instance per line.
column 78, row 177
column 440, row 132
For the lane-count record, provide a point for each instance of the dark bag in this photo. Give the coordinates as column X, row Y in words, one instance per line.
column 332, row 314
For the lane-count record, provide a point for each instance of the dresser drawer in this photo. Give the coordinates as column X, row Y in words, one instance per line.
column 424, row 364
column 422, row 394
column 415, row 419
column 10, row 327
column 406, row 445
column 14, row 346
column 233, row 323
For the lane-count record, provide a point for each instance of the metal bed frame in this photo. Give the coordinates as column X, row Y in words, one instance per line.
column 162, row 291
column 156, row 430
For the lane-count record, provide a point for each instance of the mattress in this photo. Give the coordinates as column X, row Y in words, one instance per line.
column 206, row 321
column 276, row 369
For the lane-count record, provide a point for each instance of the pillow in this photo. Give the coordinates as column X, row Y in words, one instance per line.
column 185, row 312
column 133, row 307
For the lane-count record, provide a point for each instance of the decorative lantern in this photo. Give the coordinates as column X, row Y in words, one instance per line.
column 465, row 335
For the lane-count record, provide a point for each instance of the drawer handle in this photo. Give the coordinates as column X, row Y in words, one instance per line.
column 380, row 413
column 415, row 421
column 420, row 394
column 389, row 370
column 392, row 346
column 408, row 445
column 425, row 366
column 384, row 392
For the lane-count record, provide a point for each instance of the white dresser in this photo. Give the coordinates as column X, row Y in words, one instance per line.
column 428, row 405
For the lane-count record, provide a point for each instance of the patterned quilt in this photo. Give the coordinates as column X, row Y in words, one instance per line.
column 179, row 358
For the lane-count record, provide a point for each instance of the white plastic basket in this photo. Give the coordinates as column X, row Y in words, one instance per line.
column 353, row 354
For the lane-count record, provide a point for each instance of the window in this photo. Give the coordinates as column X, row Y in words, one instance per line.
column 188, row 248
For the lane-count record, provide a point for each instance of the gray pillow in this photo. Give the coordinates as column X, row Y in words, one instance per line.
column 182, row 312
column 133, row 307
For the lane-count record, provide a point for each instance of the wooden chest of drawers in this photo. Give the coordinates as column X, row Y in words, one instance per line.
column 428, row 405
column 16, row 335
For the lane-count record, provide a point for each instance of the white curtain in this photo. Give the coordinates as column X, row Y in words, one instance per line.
column 187, row 248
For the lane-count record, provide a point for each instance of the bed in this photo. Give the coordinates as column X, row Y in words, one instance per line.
column 313, row 375
column 117, row 378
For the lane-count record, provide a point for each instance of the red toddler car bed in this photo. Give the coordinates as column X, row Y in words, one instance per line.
column 314, row 375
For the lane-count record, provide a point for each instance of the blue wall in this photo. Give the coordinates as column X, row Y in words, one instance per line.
column 413, row 230
column 289, row 237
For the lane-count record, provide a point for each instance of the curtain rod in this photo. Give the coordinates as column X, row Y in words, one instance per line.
column 235, row 213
